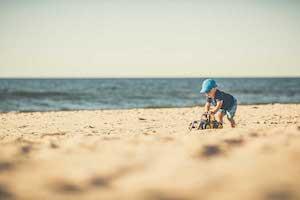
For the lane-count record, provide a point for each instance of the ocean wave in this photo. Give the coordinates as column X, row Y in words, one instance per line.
column 36, row 94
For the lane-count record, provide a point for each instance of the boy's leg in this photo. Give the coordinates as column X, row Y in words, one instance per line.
column 231, row 113
column 219, row 116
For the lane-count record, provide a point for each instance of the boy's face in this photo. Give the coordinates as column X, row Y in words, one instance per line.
column 211, row 93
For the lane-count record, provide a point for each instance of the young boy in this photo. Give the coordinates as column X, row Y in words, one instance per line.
column 224, row 104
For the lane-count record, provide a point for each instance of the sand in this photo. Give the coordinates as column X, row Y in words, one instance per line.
column 150, row 154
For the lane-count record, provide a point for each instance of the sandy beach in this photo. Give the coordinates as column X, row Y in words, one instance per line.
column 150, row 154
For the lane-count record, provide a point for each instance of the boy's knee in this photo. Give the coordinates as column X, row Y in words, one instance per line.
column 219, row 114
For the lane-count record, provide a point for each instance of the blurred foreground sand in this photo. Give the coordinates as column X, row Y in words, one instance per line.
column 150, row 154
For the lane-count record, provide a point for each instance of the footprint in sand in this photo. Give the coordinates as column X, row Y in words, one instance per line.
column 26, row 149
column 66, row 187
column 279, row 195
column 253, row 134
column 234, row 141
column 53, row 145
column 99, row 181
column 106, row 181
column 212, row 150
column 5, row 194
column 6, row 166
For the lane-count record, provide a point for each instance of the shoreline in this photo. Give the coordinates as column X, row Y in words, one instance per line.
column 137, row 108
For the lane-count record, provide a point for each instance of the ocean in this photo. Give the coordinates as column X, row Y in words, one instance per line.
column 122, row 93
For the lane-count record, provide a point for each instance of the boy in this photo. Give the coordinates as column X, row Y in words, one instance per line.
column 224, row 104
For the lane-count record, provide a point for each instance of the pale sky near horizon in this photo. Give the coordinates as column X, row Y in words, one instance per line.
column 111, row 38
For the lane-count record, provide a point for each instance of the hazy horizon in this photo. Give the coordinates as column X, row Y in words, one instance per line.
column 132, row 39
column 146, row 77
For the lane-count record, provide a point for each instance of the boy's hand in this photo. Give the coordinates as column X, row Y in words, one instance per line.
column 211, row 112
column 217, row 107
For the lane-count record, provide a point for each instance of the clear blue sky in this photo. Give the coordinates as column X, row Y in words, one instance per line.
column 110, row 38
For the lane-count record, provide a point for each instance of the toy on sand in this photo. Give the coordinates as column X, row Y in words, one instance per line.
column 207, row 121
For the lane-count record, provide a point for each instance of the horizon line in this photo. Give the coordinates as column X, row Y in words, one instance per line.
column 138, row 77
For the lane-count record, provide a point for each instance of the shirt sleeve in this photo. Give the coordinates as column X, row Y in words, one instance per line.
column 219, row 96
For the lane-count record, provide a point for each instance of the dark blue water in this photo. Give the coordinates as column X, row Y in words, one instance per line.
column 75, row 94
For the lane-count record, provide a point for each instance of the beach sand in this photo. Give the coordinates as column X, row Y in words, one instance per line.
column 150, row 154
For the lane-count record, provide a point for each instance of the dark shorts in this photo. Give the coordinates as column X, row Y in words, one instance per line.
column 231, row 112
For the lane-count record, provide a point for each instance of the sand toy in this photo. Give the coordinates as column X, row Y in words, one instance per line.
column 207, row 121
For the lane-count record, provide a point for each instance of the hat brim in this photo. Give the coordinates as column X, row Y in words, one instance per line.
column 202, row 91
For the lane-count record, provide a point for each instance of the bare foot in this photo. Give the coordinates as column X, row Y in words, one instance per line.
column 232, row 123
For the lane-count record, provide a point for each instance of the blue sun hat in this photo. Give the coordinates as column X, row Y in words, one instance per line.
column 207, row 85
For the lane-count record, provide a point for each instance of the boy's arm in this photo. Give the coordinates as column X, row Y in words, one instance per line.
column 206, row 107
column 217, row 107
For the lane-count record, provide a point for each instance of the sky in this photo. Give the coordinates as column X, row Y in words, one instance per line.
column 157, row 38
